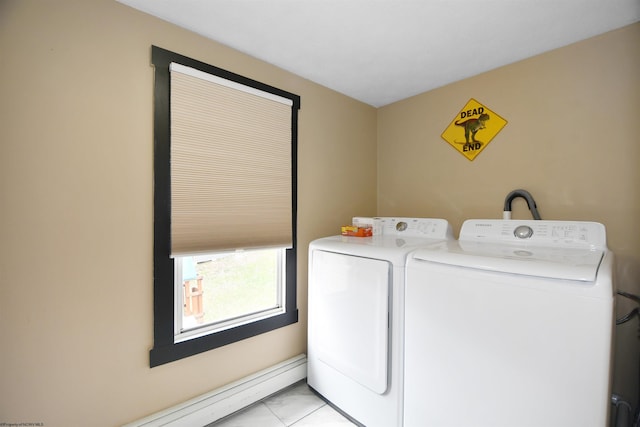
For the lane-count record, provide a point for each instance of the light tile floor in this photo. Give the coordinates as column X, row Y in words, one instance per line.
column 295, row 406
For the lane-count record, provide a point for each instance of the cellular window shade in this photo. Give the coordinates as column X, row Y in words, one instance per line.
column 231, row 170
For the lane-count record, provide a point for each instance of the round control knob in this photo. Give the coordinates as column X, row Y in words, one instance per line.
column 401, row 226
column 523, row 232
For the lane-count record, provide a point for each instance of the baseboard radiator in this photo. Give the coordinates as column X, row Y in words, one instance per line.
column 226, row 400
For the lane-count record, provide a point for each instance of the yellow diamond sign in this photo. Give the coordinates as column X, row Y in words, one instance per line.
column 473, row 129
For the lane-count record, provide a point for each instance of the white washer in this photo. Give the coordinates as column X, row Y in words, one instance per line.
column 511, row 325
column 356, row 300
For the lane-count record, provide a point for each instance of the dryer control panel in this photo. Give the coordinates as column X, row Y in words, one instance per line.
column 433, row 228
column 569, row 234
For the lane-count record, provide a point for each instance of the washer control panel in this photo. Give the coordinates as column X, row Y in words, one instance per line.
column 544, row 233
column 523, row 232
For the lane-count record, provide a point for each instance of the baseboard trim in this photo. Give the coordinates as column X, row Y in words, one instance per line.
column 226, row 400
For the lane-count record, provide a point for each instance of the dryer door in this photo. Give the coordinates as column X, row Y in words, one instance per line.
column 349, row 302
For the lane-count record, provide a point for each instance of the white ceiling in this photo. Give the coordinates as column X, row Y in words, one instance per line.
column 382, row 51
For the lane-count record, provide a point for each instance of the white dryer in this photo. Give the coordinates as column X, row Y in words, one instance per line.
column 356, row 301
column 511, row 325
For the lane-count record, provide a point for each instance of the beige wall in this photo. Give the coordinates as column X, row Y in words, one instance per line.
column 76, row 147
column 572, row 140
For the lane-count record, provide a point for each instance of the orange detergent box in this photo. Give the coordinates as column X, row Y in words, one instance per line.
column 353, row 230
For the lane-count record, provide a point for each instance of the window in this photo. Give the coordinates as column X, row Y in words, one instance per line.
column 224, row 289
column 224, row 207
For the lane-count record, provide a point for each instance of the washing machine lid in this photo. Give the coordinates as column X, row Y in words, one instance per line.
column 557, row 262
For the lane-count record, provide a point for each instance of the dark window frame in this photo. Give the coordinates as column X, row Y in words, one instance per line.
column 164, row 349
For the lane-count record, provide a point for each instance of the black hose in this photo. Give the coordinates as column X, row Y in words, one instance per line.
column 624, row 319
column 633, row 313
column 633, row 297
column 525, row 195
